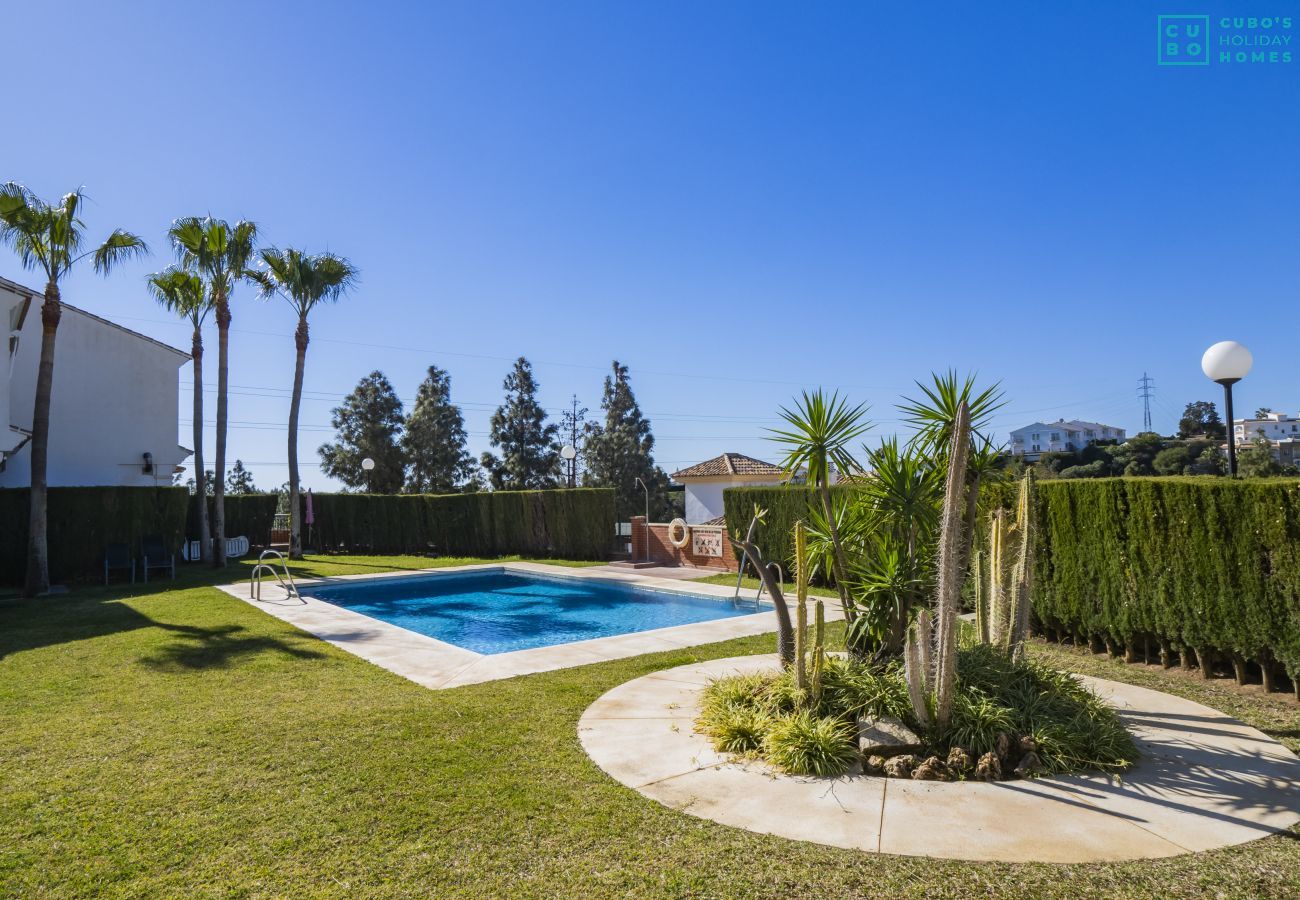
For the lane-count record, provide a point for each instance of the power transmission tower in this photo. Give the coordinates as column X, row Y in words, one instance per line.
column 1146, row 389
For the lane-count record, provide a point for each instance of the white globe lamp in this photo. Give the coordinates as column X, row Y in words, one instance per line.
column 1226, row 363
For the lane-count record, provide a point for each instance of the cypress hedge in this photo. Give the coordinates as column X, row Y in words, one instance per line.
column 247, row 515
column 83, row 521
column 785, row 504
column 1204, row 566
column 569, row 524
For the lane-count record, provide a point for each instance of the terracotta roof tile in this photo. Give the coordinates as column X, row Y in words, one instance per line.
column 730, row 464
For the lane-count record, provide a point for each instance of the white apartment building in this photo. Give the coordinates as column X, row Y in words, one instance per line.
column 1032, row 441
column 1279, row 429
column 114, row 415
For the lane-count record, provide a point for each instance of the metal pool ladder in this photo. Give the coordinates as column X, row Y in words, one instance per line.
column 758, row 596
column 285, row 581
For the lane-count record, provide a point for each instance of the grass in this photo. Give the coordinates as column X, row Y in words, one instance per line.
column 175, row 741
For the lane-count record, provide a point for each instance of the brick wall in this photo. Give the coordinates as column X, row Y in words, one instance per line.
column 650, row 541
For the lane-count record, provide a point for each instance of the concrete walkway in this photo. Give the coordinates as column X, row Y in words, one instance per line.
column 1204, row 781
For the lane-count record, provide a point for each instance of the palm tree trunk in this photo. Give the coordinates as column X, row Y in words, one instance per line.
column 295, row 513
column 219, row 467
column 200, row 476
column 38, row 561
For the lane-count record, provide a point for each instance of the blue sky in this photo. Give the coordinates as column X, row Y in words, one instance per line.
column 736, row 200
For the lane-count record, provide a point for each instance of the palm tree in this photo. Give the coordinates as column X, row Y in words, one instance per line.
column 219, row 252
column 183, row 293
column 818, row 439
column 304, row 280
column 48, row 237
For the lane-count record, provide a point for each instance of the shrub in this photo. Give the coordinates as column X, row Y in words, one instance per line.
column 83, row 520
column 573, row 524
column 803, row 743
column 1209, row 564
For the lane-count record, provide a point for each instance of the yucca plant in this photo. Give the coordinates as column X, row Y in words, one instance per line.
column 817, row 441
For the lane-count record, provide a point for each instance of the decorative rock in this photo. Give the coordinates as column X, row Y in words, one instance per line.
column 958, row 760
column 1002, row 746
column 930, row 770
column 1028, row 744
column 874, row 765
column 886, row 736
column 900, row 766
column 1030, row 764
column 989, row 767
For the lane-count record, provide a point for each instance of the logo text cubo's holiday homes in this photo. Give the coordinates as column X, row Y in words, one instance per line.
column 1199, row 40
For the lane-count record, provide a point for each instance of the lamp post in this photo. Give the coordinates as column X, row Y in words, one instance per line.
column 1227, row 362
column 368, row 466
column 569, row 453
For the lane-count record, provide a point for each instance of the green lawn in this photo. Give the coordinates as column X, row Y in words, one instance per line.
column 178, row 742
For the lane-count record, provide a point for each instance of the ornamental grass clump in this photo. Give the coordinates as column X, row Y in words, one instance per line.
column 804, row 743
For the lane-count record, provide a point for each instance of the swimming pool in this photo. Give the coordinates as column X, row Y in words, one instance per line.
column 501, row 611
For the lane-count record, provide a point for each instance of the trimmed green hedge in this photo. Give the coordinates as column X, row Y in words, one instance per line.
column 785, row 504
column 570, row 524
column 247, row 515
column 83, row 520
column 1202, row 563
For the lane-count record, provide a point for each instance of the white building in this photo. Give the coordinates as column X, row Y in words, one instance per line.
column 114, row 414
column 1279, row 429
column 1060, row 436
column 705, row 482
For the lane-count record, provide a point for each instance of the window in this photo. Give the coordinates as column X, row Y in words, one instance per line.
column 1035, row 437
column 1056, row 435
column 1035, row 448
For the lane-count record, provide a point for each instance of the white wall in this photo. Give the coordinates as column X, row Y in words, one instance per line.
column 115, row 397
column 704, row 501
column 10, row 304
column 704, row 495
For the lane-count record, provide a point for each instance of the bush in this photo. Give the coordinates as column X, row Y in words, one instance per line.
column 572, row 524
column 83, row 520
column 1208, row 564
column 996, row 696
column 785, row 504
column 806, row 744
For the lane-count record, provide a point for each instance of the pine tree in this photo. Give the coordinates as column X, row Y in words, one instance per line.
column 369, row 425
column 529, row 455
column 622, row 450
column 434, row 442
column 239, row 480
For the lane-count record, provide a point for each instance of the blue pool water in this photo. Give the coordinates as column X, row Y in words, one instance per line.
column 496, row 612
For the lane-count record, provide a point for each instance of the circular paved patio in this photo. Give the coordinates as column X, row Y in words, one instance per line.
column 1204, row 781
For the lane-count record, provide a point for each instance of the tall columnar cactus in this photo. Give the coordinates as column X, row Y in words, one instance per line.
column 1011, row 572
column 936, row 677
column 801, row 607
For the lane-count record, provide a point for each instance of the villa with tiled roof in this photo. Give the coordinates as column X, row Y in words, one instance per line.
column 705, row 482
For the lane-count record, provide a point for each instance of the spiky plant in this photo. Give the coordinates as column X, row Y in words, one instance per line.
column 801, row 606
column 935, row 679
column 1010, row 574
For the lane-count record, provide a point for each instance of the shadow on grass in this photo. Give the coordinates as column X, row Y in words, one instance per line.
column 51, row 621
column 216, row 648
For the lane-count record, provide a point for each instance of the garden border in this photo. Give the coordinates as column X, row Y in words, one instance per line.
column 1204, row 781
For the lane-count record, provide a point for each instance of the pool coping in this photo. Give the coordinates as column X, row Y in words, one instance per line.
column 439, row 665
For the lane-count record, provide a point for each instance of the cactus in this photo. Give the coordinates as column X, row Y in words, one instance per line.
column 819, row 648
column 931, row 654
column 1011, row 581
column 801, row 607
